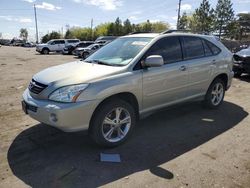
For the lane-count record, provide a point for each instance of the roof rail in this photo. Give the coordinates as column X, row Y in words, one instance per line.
column 177, row 31
column 137, row 32
column 184, row 31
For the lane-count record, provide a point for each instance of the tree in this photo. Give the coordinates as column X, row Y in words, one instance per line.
column 101, row 30
column 158, row 27
column 244, row 24
column 118, row 27
column 24, row 34
column 183, row 23
column 224, row 15
column 204, row 17
column 50, row 36
column 146, row 27
column 111, row 29
column 127, row 27
column 68, row 34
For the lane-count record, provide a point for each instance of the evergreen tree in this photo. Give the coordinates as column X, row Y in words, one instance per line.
column 118, row 27
column 204, row 17
column 224, row 15
column 127, row 27
column 183, row 23
column 24, row 33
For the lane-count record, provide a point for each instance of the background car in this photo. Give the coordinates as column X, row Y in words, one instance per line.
column 70, row 48
column 56, row 45
column 242, row 62
column 85, row 52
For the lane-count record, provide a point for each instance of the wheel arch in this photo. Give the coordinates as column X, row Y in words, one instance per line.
column 125, row 96
column 223, row 77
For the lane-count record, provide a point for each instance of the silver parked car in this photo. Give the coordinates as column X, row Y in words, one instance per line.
column 129, row 77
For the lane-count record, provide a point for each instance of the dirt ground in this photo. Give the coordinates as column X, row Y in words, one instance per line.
column 185, row 146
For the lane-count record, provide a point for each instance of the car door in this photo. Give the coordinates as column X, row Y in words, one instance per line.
column 53, row 46
column 61, row 45
column 166, row 84
column 200, row 63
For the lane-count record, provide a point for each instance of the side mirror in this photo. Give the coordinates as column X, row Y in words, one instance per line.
column 154, row 61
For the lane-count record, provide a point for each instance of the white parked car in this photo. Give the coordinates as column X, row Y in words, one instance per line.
column 56, row 45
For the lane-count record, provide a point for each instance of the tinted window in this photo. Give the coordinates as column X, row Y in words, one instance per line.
column 169, row 48
column 193, row 47
column 214, row 48
column 207, row 49
column 59, row 42
column 73, row 41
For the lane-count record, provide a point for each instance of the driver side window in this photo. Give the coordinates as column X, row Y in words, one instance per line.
column 169, row 48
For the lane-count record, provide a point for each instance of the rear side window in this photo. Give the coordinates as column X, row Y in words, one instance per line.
column 169, row 48
column 208, row 51
column 213, row 48
column 72, row 41
column 193, row 48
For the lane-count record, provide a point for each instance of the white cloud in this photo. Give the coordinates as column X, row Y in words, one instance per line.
column 243, row 12
column 29, row 1
column 175, row 18
column 25, row 20
column 102, row 4
column 133, row 18
column 186, row 7
column 48, row 6
column 17, row 19
column 244, row 1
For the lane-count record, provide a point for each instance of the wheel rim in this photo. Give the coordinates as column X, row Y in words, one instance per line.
column 217, row 94
column 116, row 124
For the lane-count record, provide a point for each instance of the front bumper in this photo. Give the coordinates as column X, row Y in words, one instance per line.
column 69, row 117
column 38, row 50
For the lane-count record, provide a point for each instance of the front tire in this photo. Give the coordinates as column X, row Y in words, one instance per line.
column 112, row 123
column 215, row 94
column 45, row 51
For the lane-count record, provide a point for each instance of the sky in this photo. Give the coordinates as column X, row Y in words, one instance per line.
column 57, row 15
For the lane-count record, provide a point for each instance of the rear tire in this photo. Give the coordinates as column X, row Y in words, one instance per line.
column 85, row 55
column 112, row 123
column 215, row 94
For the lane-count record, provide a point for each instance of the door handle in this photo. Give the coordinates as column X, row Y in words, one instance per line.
column 214, row 62
column 183, row 68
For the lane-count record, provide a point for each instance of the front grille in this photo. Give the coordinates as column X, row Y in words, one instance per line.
column 36, row 87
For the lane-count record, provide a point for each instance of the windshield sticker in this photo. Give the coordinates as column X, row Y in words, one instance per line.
column 139, row 43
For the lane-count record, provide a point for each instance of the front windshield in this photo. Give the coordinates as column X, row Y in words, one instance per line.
column 49, row 42
column 120, row 52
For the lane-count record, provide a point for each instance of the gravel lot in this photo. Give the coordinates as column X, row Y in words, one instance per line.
column 185, row 146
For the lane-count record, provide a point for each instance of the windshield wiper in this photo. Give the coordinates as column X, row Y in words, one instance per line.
column 101, row 62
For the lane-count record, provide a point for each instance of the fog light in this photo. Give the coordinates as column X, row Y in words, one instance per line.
column 53, row 117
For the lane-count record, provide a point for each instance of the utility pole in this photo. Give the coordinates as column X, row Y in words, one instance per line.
column 36, row 24
column 179, row 15
column 91, row 26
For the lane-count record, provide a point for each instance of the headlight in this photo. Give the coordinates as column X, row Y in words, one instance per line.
column 67, row 93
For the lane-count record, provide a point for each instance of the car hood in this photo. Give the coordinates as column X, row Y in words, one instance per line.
column 244, row 53
column 74, row 73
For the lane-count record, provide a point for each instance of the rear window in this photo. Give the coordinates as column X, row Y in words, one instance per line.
column 193, row 48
